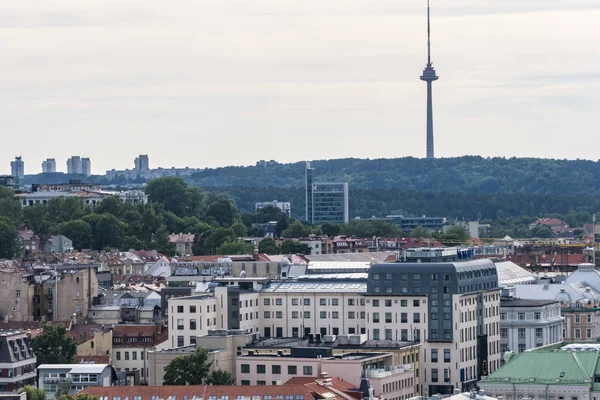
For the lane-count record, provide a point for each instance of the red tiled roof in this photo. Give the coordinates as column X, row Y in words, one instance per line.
column 163, row 392
column 319, row 389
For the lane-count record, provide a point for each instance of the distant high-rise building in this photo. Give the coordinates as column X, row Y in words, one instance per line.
column 49, row 165
column 309, row 178
column 17, row 168
column 325, row 202
column 142, row 163
column 330, row 203
column 74, row 165
column 429, row 76
column 86, row 166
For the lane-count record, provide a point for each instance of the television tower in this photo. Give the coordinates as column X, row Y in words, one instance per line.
column 429, row 76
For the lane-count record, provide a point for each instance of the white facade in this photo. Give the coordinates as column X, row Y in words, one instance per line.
column 526, row 324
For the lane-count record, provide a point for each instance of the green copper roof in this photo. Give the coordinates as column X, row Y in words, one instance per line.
column 550, row 367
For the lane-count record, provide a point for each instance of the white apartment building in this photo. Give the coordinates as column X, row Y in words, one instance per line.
column 451, row 306
column 526, row 324
column 227, row 308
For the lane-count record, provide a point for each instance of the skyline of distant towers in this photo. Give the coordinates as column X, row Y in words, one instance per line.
column 17, row 168
column 429, row 76
column 49, row 166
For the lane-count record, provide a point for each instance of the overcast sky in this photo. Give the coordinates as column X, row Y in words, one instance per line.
column 206, row 83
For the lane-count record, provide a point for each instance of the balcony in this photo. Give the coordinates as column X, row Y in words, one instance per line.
column 387, row 371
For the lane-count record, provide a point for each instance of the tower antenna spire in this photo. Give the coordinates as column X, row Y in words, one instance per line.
column 428, row 36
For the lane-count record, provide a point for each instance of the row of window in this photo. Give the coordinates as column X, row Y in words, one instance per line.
column 126, row 354
column 434, row 355
column 307, row 370
column 538, row 315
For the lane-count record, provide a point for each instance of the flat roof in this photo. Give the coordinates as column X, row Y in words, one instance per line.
column 288, row 343
column 517, row 302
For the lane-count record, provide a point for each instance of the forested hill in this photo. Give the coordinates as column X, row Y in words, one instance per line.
column 463, row 174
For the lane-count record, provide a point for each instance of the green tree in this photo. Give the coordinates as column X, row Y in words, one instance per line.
column 223, row 211
column 190, row 369
column 330, row 229
column 239, row 229
column 11, row 208
column 85, row 396
column 453, row 236
column 79, row 231
column 220, row 377
column 33, row 393
column 64, row 209
column 296, row 230
column 162, row 242
column 54, row 346
column 540, row 231
column 208, row 242
column 63, row 391
column 111, row 205
column 108, row 231
column 420, row 232
column 290, row 246
column 9, row 239
column 268, row 246
column 35, row 217
column 370, row 228
column 233, row 248
column 172, row 193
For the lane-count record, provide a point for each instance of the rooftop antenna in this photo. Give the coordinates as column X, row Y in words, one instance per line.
column 428, row 36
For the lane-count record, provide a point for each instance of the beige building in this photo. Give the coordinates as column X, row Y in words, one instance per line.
column 388, row 380
column 16, row 297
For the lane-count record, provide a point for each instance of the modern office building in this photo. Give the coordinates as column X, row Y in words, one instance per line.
column 284, row 206
column 325, row 202
column 74, row 165
column 526, row 324
column 86, row 167
column 49, row 166
column 330, row 203
column 452, row 305
column 17, row 168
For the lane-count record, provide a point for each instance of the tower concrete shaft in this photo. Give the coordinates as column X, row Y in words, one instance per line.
column 429, row 76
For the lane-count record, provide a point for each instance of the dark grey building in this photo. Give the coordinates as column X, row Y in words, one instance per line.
column 309, row 179
column 330, row 203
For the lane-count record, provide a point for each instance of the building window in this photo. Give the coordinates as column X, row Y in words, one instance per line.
column 335, row 314
column 294, row 301
column 276, row 369
column 351, row 302
column 261, row 369
column 192, row 309
column 351, row 314
column 278, row 301
column 292, row 370
column 323, row 314
column 126, row 355
column 503, row 332
column 434, row 355
column 521, row 333
column 267, row 314
column 294, row 314
column 434, row 277
column 589, row 318
column 415, row 303
column 179, row 309
column 279, row 314
column 537, row 315
column 521, row 347
column 245, row 383
column 446, row 355
column 180, row 324
column 434, row 375
column 388, row 303
column 375, row 334
column 375, row 277
column 118, row 355
column 404, row 318
column 375, row 303
column 388, row 317
column 404, row 335
column 403, row 303
column 180, row 341
column 323, row 302
column 416, row 318
column 134, row 355
column 306, row 302
column 521, row 315
column 577, row 333
column 538, row 332
column 261, row 383
column 192, row 324
column 376, row 317
column 307, row 370
column 588, row 333
column 307, row 314
column 18, row 293
column 503, row 315
column 388, row 277
column 192, row 342
column 267, row 302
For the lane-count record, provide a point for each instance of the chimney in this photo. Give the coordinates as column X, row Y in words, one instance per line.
column 154, row 254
